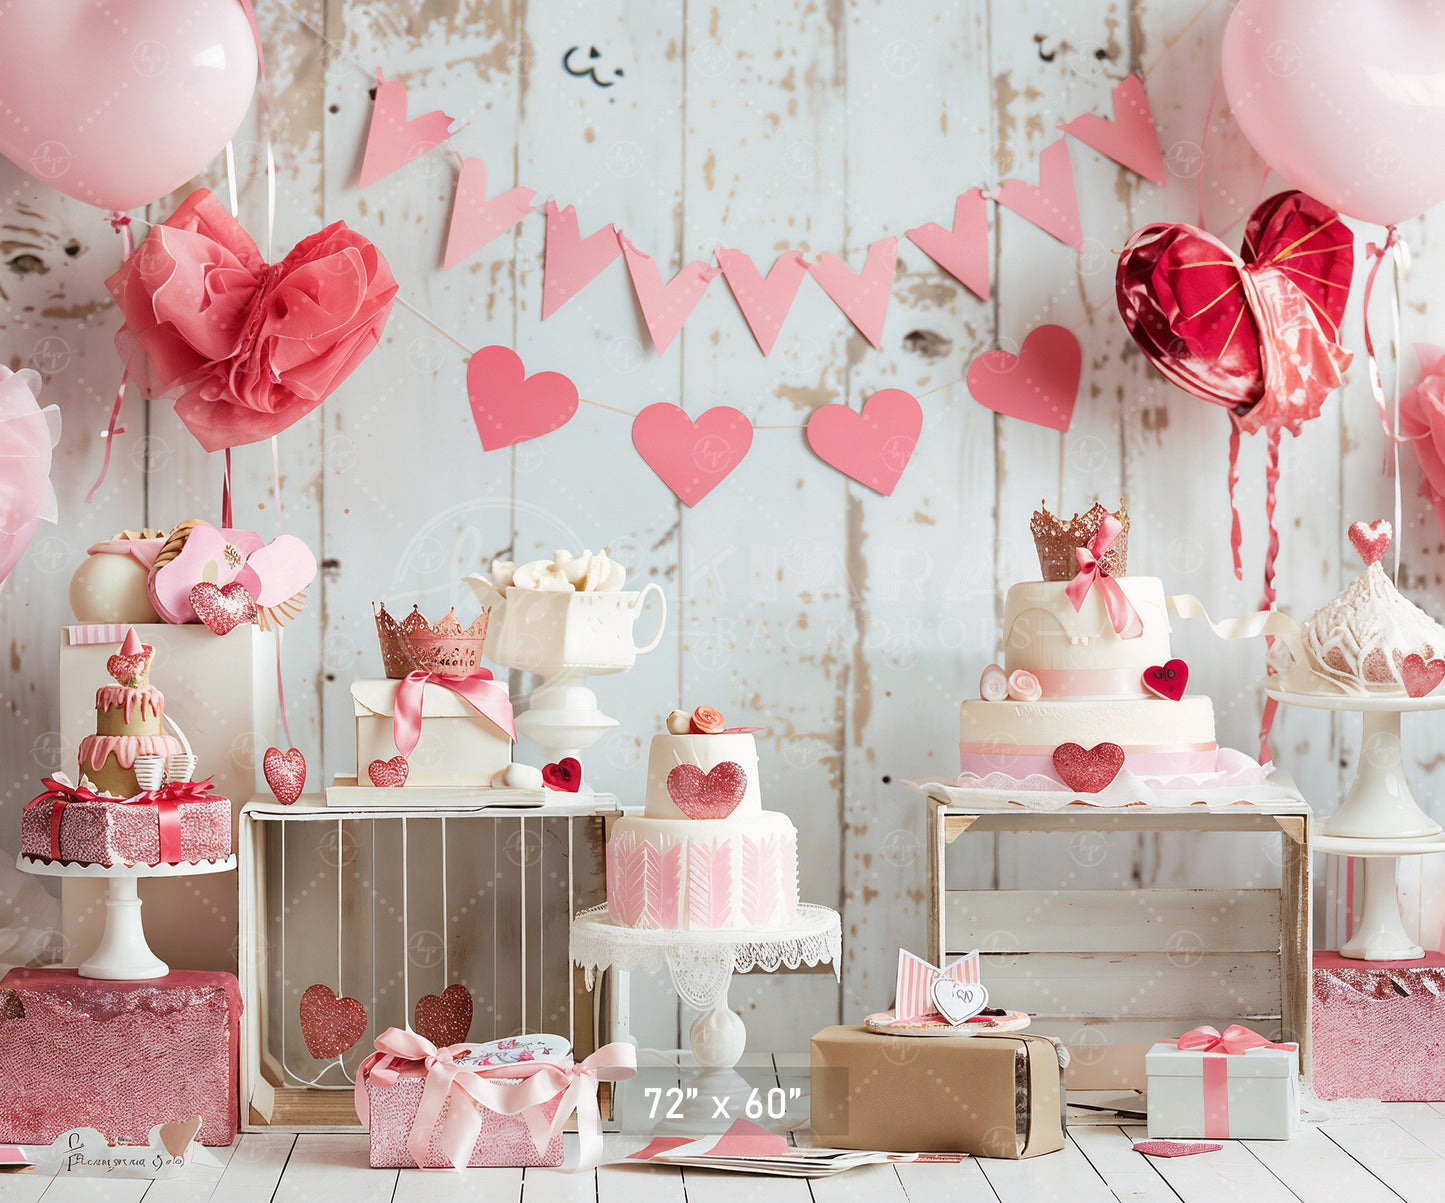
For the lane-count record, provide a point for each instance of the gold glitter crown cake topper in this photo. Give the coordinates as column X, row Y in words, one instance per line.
column 444, row 647
column 1056, row 541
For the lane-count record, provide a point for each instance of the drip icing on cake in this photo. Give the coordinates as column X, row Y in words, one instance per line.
column 147, row 697
column 125, row 748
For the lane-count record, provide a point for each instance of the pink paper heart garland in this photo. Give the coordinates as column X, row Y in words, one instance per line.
column 1040, row 384
column 765, row 301
column 1130, row 139
column 963, row 250
column 1051, row 204
column 571, row 262
column 862, row 296
column 691, row 458
column 477, row 220
column 509, row 406
column 872, row 447
column 665, row 306
column 391, row 140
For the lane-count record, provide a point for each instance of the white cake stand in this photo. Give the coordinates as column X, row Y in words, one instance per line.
column 123, row 954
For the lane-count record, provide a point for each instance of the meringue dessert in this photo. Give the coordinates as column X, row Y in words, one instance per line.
column 587, row 573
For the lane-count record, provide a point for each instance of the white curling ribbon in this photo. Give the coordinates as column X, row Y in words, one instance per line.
column 993, row 685
column 1247, row 626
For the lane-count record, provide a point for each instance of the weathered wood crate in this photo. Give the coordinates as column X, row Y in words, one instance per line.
column 1110, row 971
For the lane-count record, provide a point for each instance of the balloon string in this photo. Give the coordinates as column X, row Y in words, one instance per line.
column 1204, row 140
column 281, row 690
column 276, row 480
column 1400, row 260
column 1236, row 535
column 120, row 223
column 1377, row 388
column 1271, row 496
column 226, row 522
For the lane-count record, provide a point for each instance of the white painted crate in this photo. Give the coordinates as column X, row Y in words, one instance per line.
column 1110, row 971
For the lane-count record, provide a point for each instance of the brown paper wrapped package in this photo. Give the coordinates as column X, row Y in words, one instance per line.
column 992, row 1096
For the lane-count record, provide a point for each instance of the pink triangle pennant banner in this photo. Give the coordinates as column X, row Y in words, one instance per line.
column 963, row 250
column 764, row 301
column 391, row 140
column 477, row 220
column 691, row 458
column 862, row 296
column 1131, row 139
column 874, row 446
column 665, row 306
column 571, row 262
column 1052, row 203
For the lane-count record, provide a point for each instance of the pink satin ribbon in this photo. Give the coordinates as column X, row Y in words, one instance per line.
column 478, row 691
column 523, row 1089
column 1122, row 616
column 1091, row 682
column 167, row 800
column 1217, row 1048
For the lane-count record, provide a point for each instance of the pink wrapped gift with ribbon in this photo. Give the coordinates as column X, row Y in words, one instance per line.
column 447, row 1108
column 1230, row 1085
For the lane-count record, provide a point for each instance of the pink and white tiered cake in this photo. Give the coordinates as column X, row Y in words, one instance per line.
column 704, row 854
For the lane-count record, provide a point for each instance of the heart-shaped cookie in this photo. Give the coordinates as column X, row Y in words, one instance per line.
column 565, row 776
column 1371, row 539
column 176, row 1138
column 388, row 774
column 285, row 773
column 329, row 1024
column 444, row 1018
column 1167, row 680
column 1420, row 676
column 1088, row 770
column 223, row 607
column 711, row 795
column 957, row 1001
column 130, row 670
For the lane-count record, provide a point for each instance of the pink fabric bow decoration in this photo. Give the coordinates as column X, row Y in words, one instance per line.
column 246, row 348
column 1422, row 422
column 27, row 436
column 1235, row 1040
column 167, row 800
column 916, row 976
column 478, row 691
column 1122, row 616
column 523, row 1089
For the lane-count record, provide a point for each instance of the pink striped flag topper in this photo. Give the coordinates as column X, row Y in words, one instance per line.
column 916, row 978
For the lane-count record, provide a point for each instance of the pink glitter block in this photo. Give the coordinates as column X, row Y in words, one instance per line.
column 503, row 1141
column 127, row 833
column 120, row 1057
column 1379, row 1028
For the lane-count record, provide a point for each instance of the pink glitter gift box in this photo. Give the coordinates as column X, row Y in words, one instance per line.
column 183, row 821
column 1379, row 1028
column 120, row 1057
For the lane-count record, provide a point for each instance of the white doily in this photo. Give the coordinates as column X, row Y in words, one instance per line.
column 702, row 963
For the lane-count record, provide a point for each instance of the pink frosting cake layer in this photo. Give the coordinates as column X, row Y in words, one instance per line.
column 126, row 833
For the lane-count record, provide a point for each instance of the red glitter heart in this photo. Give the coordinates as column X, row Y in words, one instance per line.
column 388, row 774
column 1167, row 680
column 713, row 795
column 1419, row 675
column 223, row 608
column 130, row 670
column 1174, row 1148
column 565, row 775
column 1371, row 539
column 1088, row 770
column 285, row 773
column 330, row 1025
column 444, row 1018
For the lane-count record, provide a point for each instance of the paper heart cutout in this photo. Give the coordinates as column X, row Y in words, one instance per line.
column 1088, row 770
column 511, row 407
column 957, row 1001
column 665, row 306
column 691, row 458
column 711, row 795
column 1130, row 139
column 477, row 220
column 571, row 262
column 963, row 250
column 223, row 608
column 330, row 1024
column 176, row 1138
column 1419, row 676
column 1040, row 384
column 388, row 774
column 564, row 776
column 391, row 140
column 129, row 669
column 285, row 773
column 444, row 1018
column 1052, row 204
column 207, row 554
column 1371, row 539
column 1174, row 1148
column 863, row 296
column 765, row 301
column 872, row 446
column 1167, row 680
column 278, row 571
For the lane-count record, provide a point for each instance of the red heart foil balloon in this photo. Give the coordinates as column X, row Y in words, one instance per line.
column 330, row 1025
column 1182, row 295
column 223, row 608
column 564, row 776
column 388, row 774
column 1167, row 680
column 1088, row 770
column 285, row 773
column 711, row 795
column 1421, row 676
column 444, row 1018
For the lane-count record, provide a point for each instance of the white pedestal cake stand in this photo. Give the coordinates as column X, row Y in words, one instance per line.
column 1379, row 819
column 123, row 954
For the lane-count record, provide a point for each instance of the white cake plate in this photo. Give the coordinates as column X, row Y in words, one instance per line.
column 1379, row 932
column 123, row 954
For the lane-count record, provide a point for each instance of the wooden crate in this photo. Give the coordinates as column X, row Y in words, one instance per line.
column 1110, row 971
column 396, row 904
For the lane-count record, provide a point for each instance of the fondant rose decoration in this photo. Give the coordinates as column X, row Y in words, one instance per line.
column 272, row 573
column 243, row 347
column 993, row 685
column 706, row 721
column 1023, row 686
column 1422, row 422
column 27, row 434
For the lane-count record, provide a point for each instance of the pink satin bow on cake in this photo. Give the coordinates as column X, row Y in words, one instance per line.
column 478, row 691
column 523, row 1089
column 1122, row 616
column 1236, row 1039
column 168, row 801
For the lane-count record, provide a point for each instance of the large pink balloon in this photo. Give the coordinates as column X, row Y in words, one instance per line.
column 1344, row 98
column 118, row 104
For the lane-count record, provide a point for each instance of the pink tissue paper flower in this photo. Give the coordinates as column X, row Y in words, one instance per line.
column 1422, row 422
column 27, row 435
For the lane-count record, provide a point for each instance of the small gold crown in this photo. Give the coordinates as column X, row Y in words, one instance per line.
column 1056, row 541
column 442, row 647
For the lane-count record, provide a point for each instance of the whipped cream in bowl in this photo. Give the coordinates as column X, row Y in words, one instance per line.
column 586, row 573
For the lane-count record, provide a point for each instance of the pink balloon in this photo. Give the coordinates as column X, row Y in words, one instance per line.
column 1344, row 98
column 119, row 105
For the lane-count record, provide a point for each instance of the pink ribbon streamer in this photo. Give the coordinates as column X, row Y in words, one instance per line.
column 1218, row 1047
column 120, row 223
column 522, row 1089
column 1122, row 616
column 478, row 691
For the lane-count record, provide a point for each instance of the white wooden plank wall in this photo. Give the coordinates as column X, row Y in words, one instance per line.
column 849, row 624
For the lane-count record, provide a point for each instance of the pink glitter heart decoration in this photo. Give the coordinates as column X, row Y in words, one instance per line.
column 1421, row 676
column 223, row 608
column 1174, row 1148
column 285, row 773
column 1088, row 770
column 130, row 670
column 388, row 774
column 444, row 1018
column 1167, row 680
column 711, row 795
column 1371, row 539
column 330, row 1024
